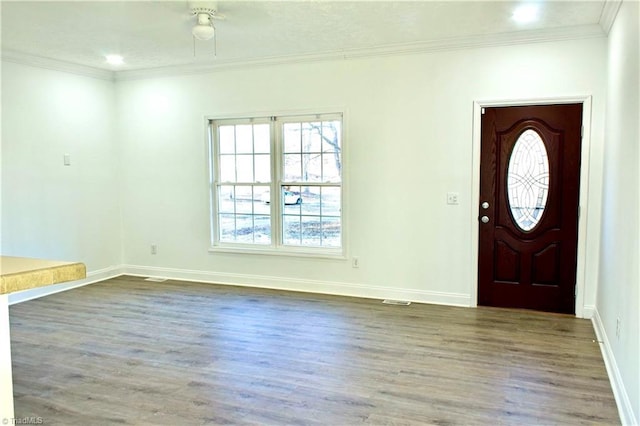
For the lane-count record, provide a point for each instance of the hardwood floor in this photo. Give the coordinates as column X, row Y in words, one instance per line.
column 127, row 351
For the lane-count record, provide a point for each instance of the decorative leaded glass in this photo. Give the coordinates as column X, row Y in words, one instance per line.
column 528, row 180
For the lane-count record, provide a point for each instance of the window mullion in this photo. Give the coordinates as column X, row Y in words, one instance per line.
column 214, row 178
column 235, row 208
column 276, row 180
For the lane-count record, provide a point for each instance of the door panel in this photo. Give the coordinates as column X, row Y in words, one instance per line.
column 528, row 245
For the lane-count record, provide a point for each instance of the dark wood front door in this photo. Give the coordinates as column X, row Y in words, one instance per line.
column 528, row 213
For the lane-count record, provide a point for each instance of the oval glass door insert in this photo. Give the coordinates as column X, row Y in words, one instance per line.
column 528, row 180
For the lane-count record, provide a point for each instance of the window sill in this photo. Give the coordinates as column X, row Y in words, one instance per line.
column 334, row 254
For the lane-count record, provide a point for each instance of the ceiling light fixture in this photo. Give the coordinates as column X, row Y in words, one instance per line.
column 115, row 59
column 205, row 12
column 204, row 28
column 525, row 14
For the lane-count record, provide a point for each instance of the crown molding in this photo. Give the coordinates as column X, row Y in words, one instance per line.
column 56, row 65
column 456, row 43
column 487, row 40
column 609, row 13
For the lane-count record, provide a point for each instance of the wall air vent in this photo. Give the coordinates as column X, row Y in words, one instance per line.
column 396, row 302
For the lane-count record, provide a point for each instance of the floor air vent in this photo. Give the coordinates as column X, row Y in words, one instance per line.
column 396, row 302
column 155, row 280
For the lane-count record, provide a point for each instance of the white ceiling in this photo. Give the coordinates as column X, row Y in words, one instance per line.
column 154, row 34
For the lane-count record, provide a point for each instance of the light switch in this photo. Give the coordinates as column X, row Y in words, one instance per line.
column 67, row 159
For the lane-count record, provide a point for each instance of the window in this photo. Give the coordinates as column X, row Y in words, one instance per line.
column 528, row 180
column 276, row 183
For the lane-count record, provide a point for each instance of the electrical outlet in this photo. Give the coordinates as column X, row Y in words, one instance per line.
column 154, row 249
column 355, row 262
column 452, row 197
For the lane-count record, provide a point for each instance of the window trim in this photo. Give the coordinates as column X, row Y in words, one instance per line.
column 276, row 247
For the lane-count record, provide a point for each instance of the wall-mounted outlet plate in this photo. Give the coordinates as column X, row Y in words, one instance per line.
column 452, row 197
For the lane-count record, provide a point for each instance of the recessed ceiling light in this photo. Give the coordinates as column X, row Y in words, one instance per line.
column 115, row 59
column 525, row 13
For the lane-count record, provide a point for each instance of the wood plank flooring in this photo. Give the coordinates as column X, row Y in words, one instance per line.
column 127, row 351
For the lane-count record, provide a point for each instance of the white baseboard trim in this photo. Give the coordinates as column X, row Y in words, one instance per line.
column 92, row 277
column 619, row 392
column 301, row 285
column 587, row 311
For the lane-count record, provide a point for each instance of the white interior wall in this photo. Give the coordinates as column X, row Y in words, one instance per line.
column 409, row 142
column 50, row 210
column 409, row 135
column 619, row 278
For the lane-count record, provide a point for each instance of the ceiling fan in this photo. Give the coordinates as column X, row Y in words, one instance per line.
column 205, row 12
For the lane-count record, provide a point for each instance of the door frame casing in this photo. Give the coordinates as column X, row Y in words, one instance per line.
column 584, row 188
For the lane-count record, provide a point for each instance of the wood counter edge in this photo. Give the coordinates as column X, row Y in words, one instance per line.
column 25, row 280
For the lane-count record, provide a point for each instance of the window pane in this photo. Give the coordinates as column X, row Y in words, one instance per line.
column 311, row 141
column 245, row 168
column 290, row 208
column 263, row 168
column 244, row 139
column 227, row 223
column 262, row 138
column 244, row 199
column 226, row 135
column 331, row 232
column 331, row 136
column 226, row 202
column 292, row 167
column 244, row 228
column 316, row 221
column 331, row 201
column 262, row 198
column 291, row 230
column 291, row 198
column 262, row 229
column 528, row 180
column 227, row 168
column 312, row 167
column 311, row 200
column 243, row 216
column 292, row 137
column 311, row 231
column 331, row 167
